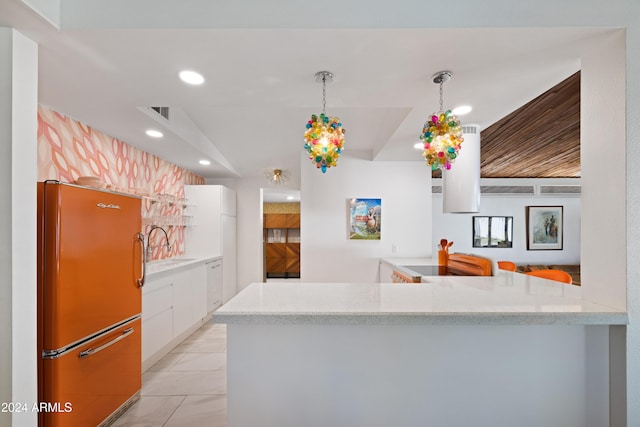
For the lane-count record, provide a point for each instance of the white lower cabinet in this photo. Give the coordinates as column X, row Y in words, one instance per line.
column 385, row 272
column 173, row 302
column 182, row 307
column 214, row 284
column 156, row 332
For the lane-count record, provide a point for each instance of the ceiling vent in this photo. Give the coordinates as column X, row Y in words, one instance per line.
column 162, row 111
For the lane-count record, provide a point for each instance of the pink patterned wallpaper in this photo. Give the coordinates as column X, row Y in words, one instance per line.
column 68, row 149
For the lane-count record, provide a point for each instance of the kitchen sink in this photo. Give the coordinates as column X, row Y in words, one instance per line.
column 154, row 266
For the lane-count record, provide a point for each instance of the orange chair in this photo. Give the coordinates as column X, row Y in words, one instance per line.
column 507, row 265
column 557, row 275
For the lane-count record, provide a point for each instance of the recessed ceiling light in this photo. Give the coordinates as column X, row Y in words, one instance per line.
column 205, row 162
column 462, row 110
column 418, row 145
column 191, row 77
column 290, row 197
column 154, row 133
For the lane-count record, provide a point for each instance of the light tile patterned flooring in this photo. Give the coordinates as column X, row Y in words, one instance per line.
column 187, row 387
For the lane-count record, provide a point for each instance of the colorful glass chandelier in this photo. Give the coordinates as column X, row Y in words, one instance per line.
column 324, row 137
column 441, row 133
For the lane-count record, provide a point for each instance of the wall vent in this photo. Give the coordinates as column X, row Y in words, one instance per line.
column 560, row 189
column 163, row 111
column 523, row 190
column 470, row 129
column 507, row 189
column 496, row 189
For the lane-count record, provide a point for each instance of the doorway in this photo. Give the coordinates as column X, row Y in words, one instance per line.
column 281, row 234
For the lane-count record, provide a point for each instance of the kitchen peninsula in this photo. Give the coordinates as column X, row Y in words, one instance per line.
column 500, row 350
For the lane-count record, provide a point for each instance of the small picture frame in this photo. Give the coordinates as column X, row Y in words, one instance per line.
column 544, row 228
column 365, row 219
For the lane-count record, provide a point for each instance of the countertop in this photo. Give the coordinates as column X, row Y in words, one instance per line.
column 396, row 262
column 504, row 299
column 168, row 264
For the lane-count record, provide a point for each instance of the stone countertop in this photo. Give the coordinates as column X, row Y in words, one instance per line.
column 168, row 264
column 398, row 262
column 505, row 299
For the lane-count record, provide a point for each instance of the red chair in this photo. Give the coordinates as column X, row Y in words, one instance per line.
column 507, row 265
column 557, row 275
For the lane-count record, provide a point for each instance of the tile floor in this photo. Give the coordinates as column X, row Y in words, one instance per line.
column 187, row 387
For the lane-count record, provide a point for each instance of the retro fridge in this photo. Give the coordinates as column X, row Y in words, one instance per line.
column 90, row 260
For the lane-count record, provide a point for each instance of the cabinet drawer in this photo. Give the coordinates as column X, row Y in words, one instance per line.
column 275, row 221
column 292, row 220
column 156, row 301
column 213, row 264
column 158, row 281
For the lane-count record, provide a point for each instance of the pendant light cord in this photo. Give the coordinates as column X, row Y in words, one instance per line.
column 441, row 95
column 324, row 94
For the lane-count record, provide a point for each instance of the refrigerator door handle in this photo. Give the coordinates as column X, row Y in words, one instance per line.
column 144, row 273
column 88, row 352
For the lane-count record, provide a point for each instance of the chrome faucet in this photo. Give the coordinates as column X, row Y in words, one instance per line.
column 149, row 247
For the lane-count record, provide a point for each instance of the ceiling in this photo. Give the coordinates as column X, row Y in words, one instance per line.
column 546, row 133
column 260, row 90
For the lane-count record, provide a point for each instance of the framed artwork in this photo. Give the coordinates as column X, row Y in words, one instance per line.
column 544, row 227
column 365, row 218
column 492, row 231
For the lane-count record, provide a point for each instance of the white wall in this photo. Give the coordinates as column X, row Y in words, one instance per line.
column 5, row 221
column 458, row 228
column 327, row 254
column 604, row 223
column 18, row 174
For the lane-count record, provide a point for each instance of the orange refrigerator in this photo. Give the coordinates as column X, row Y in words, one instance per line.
column 91, row 270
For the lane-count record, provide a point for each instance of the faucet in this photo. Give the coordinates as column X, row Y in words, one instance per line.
column 149, row 247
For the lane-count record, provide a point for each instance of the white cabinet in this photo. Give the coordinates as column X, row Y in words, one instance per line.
column 229, row 279
column 174, row 302
column 157, row 314
column 199, row 293
column 213, row 209
column 214, row 284
column 182, row 306
column 385, row 272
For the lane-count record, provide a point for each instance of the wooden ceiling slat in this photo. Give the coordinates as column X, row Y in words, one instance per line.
column 541, row 139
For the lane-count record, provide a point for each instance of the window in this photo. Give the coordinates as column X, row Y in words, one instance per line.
column 492, row 231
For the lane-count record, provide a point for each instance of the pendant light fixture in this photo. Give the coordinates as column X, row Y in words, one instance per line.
column 461, row 184
column 324, row 137
column 441, row 133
